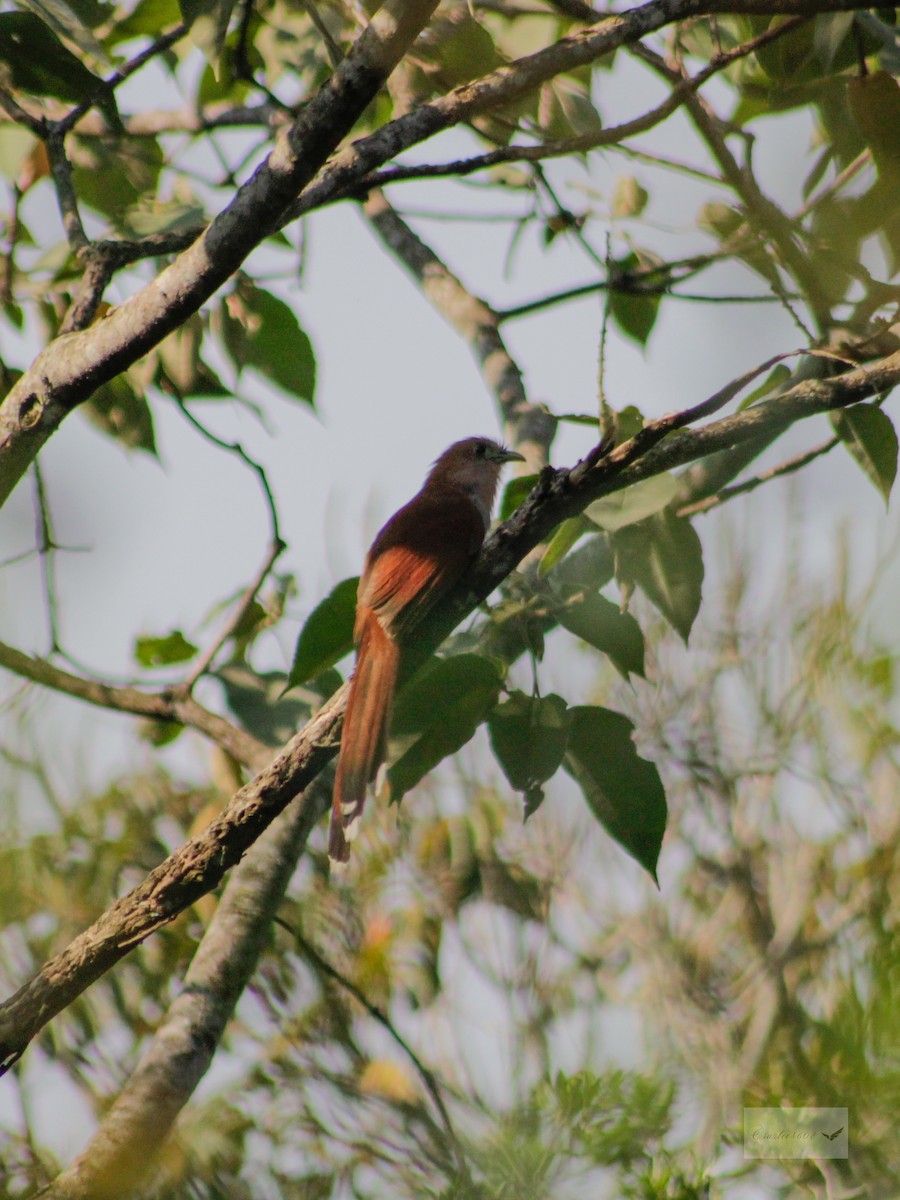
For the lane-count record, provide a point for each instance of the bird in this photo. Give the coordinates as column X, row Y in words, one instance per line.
column 416, row 558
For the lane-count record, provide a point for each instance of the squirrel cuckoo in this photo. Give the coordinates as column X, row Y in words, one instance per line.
column 422, row 551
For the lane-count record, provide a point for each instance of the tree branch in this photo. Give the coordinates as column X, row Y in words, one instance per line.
column 73, row 366
column 159, row 706
column 529, row 427
column 122, row 1150
column 682, row 90
column 198, row 866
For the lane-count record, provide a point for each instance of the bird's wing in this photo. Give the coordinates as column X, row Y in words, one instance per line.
column 419, row 554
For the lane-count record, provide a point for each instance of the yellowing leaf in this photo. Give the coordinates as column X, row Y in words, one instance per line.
column 382, row 1077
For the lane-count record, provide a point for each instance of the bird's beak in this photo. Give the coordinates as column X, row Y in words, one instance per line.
column 502, row 455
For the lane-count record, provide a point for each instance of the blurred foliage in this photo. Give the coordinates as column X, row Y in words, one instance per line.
column 765, row 975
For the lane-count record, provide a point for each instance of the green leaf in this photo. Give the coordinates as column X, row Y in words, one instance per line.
column 438, row 712
column 259, row 703
column 146, row 18
column 327, row 635
column 122, row 412
column 869, row 435
column 208, row 23
column 663, row 556
column 180, row 369
column 777, row 376
column 875, row 102
column 601, row 624
column 634, row 313
column 564, row 538
column 514, row 493
column 262, row 332
column 623, row 790
column 62, row 19
column 16, row 144
column 170, row 216
column 39, row 63
column 113, row 175
column 830, row 33
column 163, row 651
column 633, row 503
column 159, row 732
column 629, row 199
column 529, row 736
column 467, row 52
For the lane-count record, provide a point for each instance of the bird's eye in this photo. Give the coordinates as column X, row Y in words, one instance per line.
column 480, row 450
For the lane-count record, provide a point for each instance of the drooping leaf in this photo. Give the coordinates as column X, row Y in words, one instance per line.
column 180, row 369
column 588, row 568
column 664, row 558
column 66, row 22
column 327, row 634
column 466, row 51
column 601, row 624
column 867, row 432
column 634, row 311
column 208, row 23
column 623, row 790
column 259, row 703
column 633, row 503
column 777, row 376
column 39, row 63
column 562, row 541
column 438, row 712
column 163, row 651
column 629, row 199
column 119, row 409
column 112, row 176
column 566, row 108
column 529, row 735
column 262, row 332
column 875, row 102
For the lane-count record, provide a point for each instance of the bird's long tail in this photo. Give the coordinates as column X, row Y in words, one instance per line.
column 365, row 732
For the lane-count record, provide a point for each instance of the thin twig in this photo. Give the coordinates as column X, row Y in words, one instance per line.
column 21, row 115
column 61, row 170
column 99, row 270
column 788, row 467
column 240, row 611
column 8, row 270
column 237, row 449
column 109, row 85
column 772, row 226
column 681, row 92
column 638, row 274
column 45, row 548
column 159, row 706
